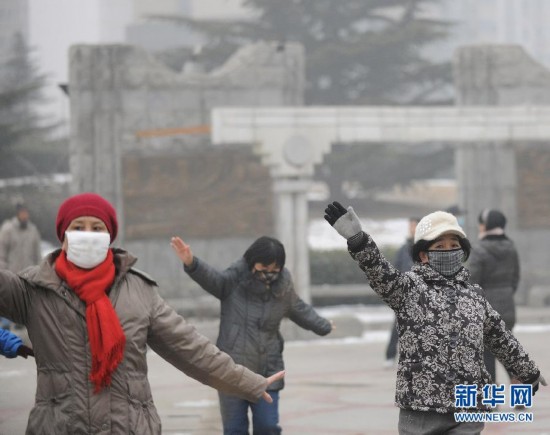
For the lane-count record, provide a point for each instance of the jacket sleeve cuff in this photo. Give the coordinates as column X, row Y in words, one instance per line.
column 358, row 242
column 192, row 267
column 533, row 378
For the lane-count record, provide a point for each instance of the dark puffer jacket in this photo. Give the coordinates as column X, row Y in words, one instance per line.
column 494, row 265
column 443, row 325
column 251, row 314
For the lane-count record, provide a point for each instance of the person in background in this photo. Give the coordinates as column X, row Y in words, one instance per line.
column 256, row 293
column 494, row 265
column 444, row 323
column 19, row 241
column 403, row 262
column 19, row 245
column 91, row 316
column 12, row 346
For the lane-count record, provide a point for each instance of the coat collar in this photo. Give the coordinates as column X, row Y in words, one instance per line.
column 256, row 286
column 44, row 274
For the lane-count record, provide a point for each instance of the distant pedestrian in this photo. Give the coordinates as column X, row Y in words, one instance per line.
column 256, row 293
column 12, row 346
column 19, row 245
column 91, row 316
column 494, row 265
column 19, row 241
column 403, row 262
column 444, row 323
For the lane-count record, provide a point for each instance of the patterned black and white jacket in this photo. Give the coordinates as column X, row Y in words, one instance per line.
column 443, row 326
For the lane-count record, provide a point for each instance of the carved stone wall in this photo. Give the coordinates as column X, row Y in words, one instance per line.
column 140, row 137
column 209, row 194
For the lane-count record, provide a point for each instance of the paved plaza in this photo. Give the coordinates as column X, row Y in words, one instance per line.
column 334, row 386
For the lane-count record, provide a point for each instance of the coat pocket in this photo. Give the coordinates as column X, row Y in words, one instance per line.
column 142, row 414
column 54, row 407
column 227, row 339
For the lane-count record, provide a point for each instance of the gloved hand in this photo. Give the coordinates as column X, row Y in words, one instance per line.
column 535, row 381
column 25, row 351
column 344, row 221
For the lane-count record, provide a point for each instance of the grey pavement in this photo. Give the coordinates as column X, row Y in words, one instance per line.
column 335, row 385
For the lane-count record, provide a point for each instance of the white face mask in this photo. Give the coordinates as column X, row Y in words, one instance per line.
column 87, row 249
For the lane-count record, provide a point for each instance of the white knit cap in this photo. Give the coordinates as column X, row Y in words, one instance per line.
column 436, row 224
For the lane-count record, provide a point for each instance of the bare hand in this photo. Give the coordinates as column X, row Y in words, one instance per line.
column 277, row 376
column 182, row 250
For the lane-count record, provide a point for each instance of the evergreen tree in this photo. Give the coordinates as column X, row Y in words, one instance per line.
column 358, row 52
column 23, row 132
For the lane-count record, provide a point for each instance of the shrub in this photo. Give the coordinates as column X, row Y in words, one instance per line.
column 337, row 267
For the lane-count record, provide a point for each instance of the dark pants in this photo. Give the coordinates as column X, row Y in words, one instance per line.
column 433, row 423
column 391, row 350
column 265, row 416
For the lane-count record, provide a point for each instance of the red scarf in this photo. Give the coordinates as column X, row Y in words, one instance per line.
column 107, row 338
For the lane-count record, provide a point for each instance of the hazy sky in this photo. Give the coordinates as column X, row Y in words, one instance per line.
column 55, row 25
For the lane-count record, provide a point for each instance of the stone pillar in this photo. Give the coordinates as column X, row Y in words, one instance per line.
column 292, row 229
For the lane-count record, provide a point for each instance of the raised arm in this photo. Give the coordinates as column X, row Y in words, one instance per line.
column 213, row 281
column 383, row 277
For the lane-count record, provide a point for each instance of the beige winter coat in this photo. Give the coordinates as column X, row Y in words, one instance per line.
column 55, row 318
column 19, row 248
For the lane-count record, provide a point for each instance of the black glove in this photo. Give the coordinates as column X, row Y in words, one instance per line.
column 25, row 351
column 344, row 221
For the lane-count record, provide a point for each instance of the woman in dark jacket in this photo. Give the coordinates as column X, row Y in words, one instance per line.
column 494, row 265
column 444, row 323
column 256, row 293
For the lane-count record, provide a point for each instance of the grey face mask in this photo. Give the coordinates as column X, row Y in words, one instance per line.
column 447, row 263
column 266, row 277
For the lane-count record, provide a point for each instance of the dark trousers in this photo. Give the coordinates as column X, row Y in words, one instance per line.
column 433, row 423
column 265, row 416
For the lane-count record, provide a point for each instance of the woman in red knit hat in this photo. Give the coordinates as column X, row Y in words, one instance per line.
column 90, row 316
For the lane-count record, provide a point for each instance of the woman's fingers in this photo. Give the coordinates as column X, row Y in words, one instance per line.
column 178, row 244
column 277, row 376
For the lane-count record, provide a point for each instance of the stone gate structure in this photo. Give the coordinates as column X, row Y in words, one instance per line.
column 131, row 118
column 139, row 136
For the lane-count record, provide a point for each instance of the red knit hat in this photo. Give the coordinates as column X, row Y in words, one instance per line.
column 86, row 204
